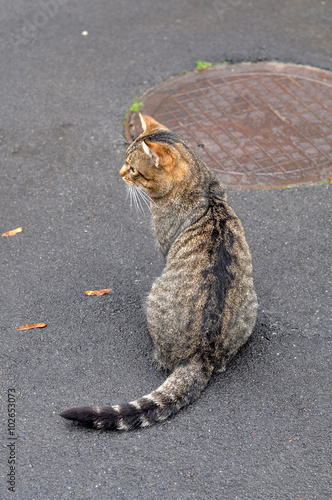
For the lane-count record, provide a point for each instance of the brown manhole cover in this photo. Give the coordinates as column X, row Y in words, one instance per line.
column 256, row 125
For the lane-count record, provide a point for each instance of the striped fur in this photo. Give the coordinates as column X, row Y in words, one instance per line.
column 203, row 307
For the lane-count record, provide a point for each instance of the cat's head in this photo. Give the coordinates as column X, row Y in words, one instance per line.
column 156, row 161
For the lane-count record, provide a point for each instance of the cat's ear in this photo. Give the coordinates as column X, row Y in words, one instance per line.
column 150, row 153
column 160, row 151
column 148, row 123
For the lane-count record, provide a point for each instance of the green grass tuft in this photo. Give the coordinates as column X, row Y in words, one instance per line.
column 136, row 105
column 200, row 65
column 134, row 108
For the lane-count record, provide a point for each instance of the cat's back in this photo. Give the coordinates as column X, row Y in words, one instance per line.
column 205, row 295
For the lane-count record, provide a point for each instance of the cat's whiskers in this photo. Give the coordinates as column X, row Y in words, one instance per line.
column 138, row 201
column 146, row 197
column 127, row 192
column 120, row 136
column 134, row 199
column 141, row 197
column 131, row 189
column 137, row 196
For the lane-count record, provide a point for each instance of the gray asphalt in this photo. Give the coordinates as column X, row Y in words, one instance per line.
column 260, row 430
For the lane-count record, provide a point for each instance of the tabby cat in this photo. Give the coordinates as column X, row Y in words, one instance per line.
column 203, row 307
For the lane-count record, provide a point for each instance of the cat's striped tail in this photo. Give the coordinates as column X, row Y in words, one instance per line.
column 181, row 388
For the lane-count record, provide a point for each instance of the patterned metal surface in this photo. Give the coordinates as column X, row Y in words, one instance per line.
column 256, row 125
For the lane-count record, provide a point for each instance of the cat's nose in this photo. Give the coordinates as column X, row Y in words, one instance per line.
column 123, row 171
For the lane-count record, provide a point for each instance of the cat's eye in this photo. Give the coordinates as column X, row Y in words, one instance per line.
column 133, row 169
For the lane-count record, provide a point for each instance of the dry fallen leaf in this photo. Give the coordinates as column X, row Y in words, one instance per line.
column 28, row 326
column 330, row 180
column 14, row 231
column 98, row 292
